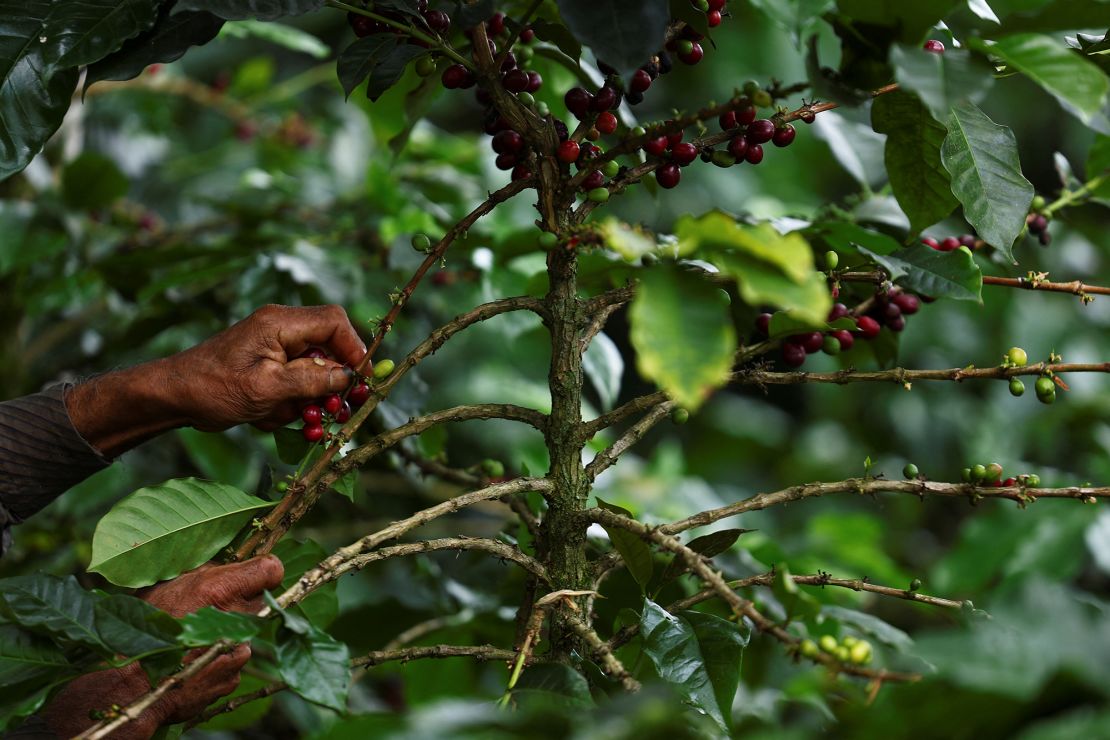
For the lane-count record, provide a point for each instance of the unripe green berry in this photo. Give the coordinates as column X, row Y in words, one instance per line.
column 702, row 5
column 523, row 55
column 383, row 369
column 751, row 87
column 493, row 468
column 426, row 66
column 685, row 47
column 844, row 654
column 526, row 98
column 598, row 195
column 832, row 259
column 1017, row 388
column 281, row 487
column 849, row 641
column 762, row 99
column 1017, row 357
column 1046, row 389
column 965, row 475
column 915, row 584
column 860, row 653
column 910, row 471
column 680, row 416
column 1038, row 203
column 994, row 472
column 421, row 243
column 827, row 643
column 638, row 131
column 831, row 346
column 1033, row 481
column 722, row 158
column 610, row 168
column 809, row 649
column 542, row 109
column 978, row 473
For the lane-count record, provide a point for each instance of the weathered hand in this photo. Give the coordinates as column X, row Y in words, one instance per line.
column 248, row 373
column 235, row 587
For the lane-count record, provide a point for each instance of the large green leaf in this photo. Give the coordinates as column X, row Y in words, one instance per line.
column 716, row 231
column 130, row 626
column 698, row 654
column 547, row 684
column 982, row 159
column 939, row 274
column 52, row 606
column 760, row 284
column 27, row 657
column 634, row 551
column 623, row 33
column 682, row 334
column 909, row 20
column 167, row 41
column 92, row 29
column 361, row 58
column 708, row 545
column 390, row 68
column 315, row 665
column 280, row 34
column 798, row 17
column 1079, row 85
column 32, row 102
column 263, row 10
column 209, row 624
column 322, row 605
column 848, row 237
column 913, row 144
column 158, row 532
column 941, row 80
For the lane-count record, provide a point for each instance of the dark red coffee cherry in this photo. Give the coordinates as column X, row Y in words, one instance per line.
column 515, row 80
column 784, row 136
column 674, row 137
column 634, row 98
column 811, row 342
column 438, row 21
column 713, row 18
column 717, row 5
column 562, row 130
column 594, row 180
column 578, row 101
column 745, row 115
column 359, row 395
column 361, row 25
column 845, row 338
column 668, row 176
column 738, row 147
column 867, row 327
column 754, row 154
column 456, row 76
column 890, row 312
column 949, row 244
column 507, row 142
column 527, row 35
column 1038, row 224
column 641, row 81
column 521, row 172
column 568, row 151
column 606, row 122
column 497, row 24
column 505, row 161
column 761, row 131
column 332, row 403
column 656, row 146
column 727, row 121
column 312, row 414
column 535, row 81
column 967, row 240
column 907, row 302
column 763, row 323
column 808, row 117
column 934, row 46
column 606, row 99
column 344, row 413
column 793, row 354
column 683, row 154
column 838, row 311
column 313, row 432
column 509, row 62
column 930, row 242
column 897, row 324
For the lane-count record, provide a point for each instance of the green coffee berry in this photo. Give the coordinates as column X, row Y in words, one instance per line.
column 1033, row 481
column 638, row 131
column 610, row 168
column 281, row 487
column 493, row 468
column 860, row 653
column 827, row 643
column 542, row 109
column 994, row 472
column 383, row 369
column 832, row 259
column 831, row 346
column 965, row 475
column 1046, row 389
column 751, row 87
column 844, row 654
column 809, row 649
column 978, row 473
column 762, row 99
column 722, row 158
column 421, row 243
column 1017, row 357
column 1038, row 203
column 1017, row 388
column 680, row 416
column 915, row 584
column 910, row 471
column 849, row 641
column 598, row 195
column 526, row 98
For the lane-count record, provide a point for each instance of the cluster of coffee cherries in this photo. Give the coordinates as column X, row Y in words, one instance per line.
column 1045, row 386
column 1037, row 221
column 990, row 475
column 847, row 650
column 332, row 407
column 437, row 20
column 951, row 243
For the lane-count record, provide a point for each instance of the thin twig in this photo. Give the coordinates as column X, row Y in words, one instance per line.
column 905, row 377
column 635, row 433
column 604, row 653
column 1035, row 281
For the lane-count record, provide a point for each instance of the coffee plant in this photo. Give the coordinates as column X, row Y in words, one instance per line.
column 500, row 205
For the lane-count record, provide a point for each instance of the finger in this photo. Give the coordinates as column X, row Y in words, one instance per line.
column 232, row 586
column 327, row 326
column 306, row 379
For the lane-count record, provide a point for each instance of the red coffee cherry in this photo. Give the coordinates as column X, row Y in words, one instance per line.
column 763, row 323
column 656, row 146
column 908, row 303
column 332, row 403
column 361, row 25
column 505, row 161
column 868, row 327
column 606, row 122
column 313, row 432
column 438, row 21
column 897, row 324
column 312, row 414
column 716, row 5
column 515, row 80
column 456, row 76
column 811, row 342
column 754, row 154
column 683, row 154
column 496, row 24
column 507, row 142
column 606, row 99
column 934, row 46
column 527, row 35
column 578, row 102
column 568, row 151
column 344, row 413
column 520, row 172
column 359, row 395
column 808, row 117
column 761, row 131
column 950, row 244
column 930, row 242
column 641, row 81
column 846, row 339
column 594, row 180
column 535, row 81
column 727, row 121
column 838, row 311
column 738, row 147
column 668, row 176
column 745, row 115
column 693, row 54
column 784, row 136
column 713, row 18
column 793, row 354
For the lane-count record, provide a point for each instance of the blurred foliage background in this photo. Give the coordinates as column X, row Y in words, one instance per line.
column 176, row 203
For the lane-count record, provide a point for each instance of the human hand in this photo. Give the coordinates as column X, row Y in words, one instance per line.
column 234, row 587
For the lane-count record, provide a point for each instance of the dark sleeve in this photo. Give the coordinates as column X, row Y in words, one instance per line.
column 41, row 456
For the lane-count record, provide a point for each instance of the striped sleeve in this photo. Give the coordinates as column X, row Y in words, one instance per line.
column 41, row 455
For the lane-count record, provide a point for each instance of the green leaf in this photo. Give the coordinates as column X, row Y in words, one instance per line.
column 158, row 532
column 26, row 657
column 93, row 29
column 940, row 274
column 131, row 626
column 709, row 545
column 629, row 241
column 913, row 162
column 32, row 100
column 981, row 9
column 909, row 20
column 209, row 624
column 291, row 445
column 623, row 33
column 560, row 35
column 167, row 41
column 760, row 284
column 360, row 58
column 848, row 237
column 683, row 335
column 1080, row 86
column 982, row 158
column 92, row 181
column 52, row 606
column 280, row 34
column 321, row 606
column 683, row 10
column 549, row 684
column 389, row 69
column 263, row 10
column 315, row 665
column 345, row 486
column 604, row 366
column 941, row 80
column 798, row 17
column 217, row 457
column 698, row 654
column 633, row 550
column 871, row 626
column 715, row 231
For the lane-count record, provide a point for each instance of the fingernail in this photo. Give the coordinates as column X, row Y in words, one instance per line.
column 348, row 373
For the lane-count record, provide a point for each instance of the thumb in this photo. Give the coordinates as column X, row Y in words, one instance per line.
column 308, row 378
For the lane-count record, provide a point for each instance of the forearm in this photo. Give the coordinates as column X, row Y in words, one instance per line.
column 119, row 410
